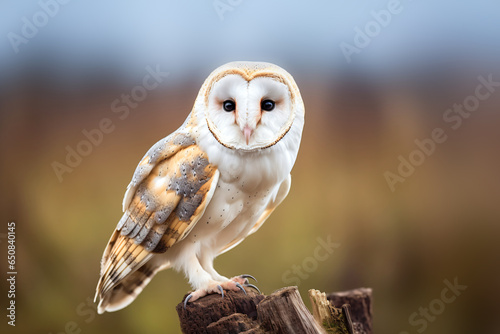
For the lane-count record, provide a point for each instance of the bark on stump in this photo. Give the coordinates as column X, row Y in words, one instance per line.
column 281, row 312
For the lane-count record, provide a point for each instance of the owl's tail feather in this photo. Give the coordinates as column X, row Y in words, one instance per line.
column 128, row 289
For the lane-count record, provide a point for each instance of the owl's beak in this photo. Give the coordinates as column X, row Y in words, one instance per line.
column 247, row 132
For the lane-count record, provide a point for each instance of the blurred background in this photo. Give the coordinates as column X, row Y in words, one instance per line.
column 375, row 77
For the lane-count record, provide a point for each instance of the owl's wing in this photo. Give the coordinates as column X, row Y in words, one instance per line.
column 281, row 192
column 168, row 194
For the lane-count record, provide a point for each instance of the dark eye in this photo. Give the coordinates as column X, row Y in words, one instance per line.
column 229, row 105
column 267, row 105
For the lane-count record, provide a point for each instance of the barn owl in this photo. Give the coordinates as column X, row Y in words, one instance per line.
column 201, row 190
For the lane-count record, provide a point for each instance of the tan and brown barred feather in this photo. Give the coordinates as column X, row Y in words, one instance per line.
column 171, row 188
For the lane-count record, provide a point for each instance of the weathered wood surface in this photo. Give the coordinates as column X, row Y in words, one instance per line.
column 210, row 309
column 285, row 312
column 281, row 312
column 360, row 301
column 331, row 318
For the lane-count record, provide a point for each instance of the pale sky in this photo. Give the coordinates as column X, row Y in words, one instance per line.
column 189, row 38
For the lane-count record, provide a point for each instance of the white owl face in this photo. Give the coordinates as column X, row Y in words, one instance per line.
column 248, row 114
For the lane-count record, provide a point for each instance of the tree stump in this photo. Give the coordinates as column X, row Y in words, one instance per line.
column 331, row 318
column 285, row 312
column 198, row 315
column 281, row 312
column 360, row 301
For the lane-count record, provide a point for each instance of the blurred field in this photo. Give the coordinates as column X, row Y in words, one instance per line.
column 441, row 223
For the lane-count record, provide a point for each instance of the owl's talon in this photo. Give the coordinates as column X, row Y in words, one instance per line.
column 253, row 287
column 249, row 276
column 187, row 299
column 241, row 288
column 221, row 290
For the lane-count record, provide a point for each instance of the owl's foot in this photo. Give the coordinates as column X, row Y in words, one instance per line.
column 236, row 283
column 213, row 287
column 242, row 280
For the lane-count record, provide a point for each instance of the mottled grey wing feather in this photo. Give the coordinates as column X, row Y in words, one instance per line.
column 169, row 192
